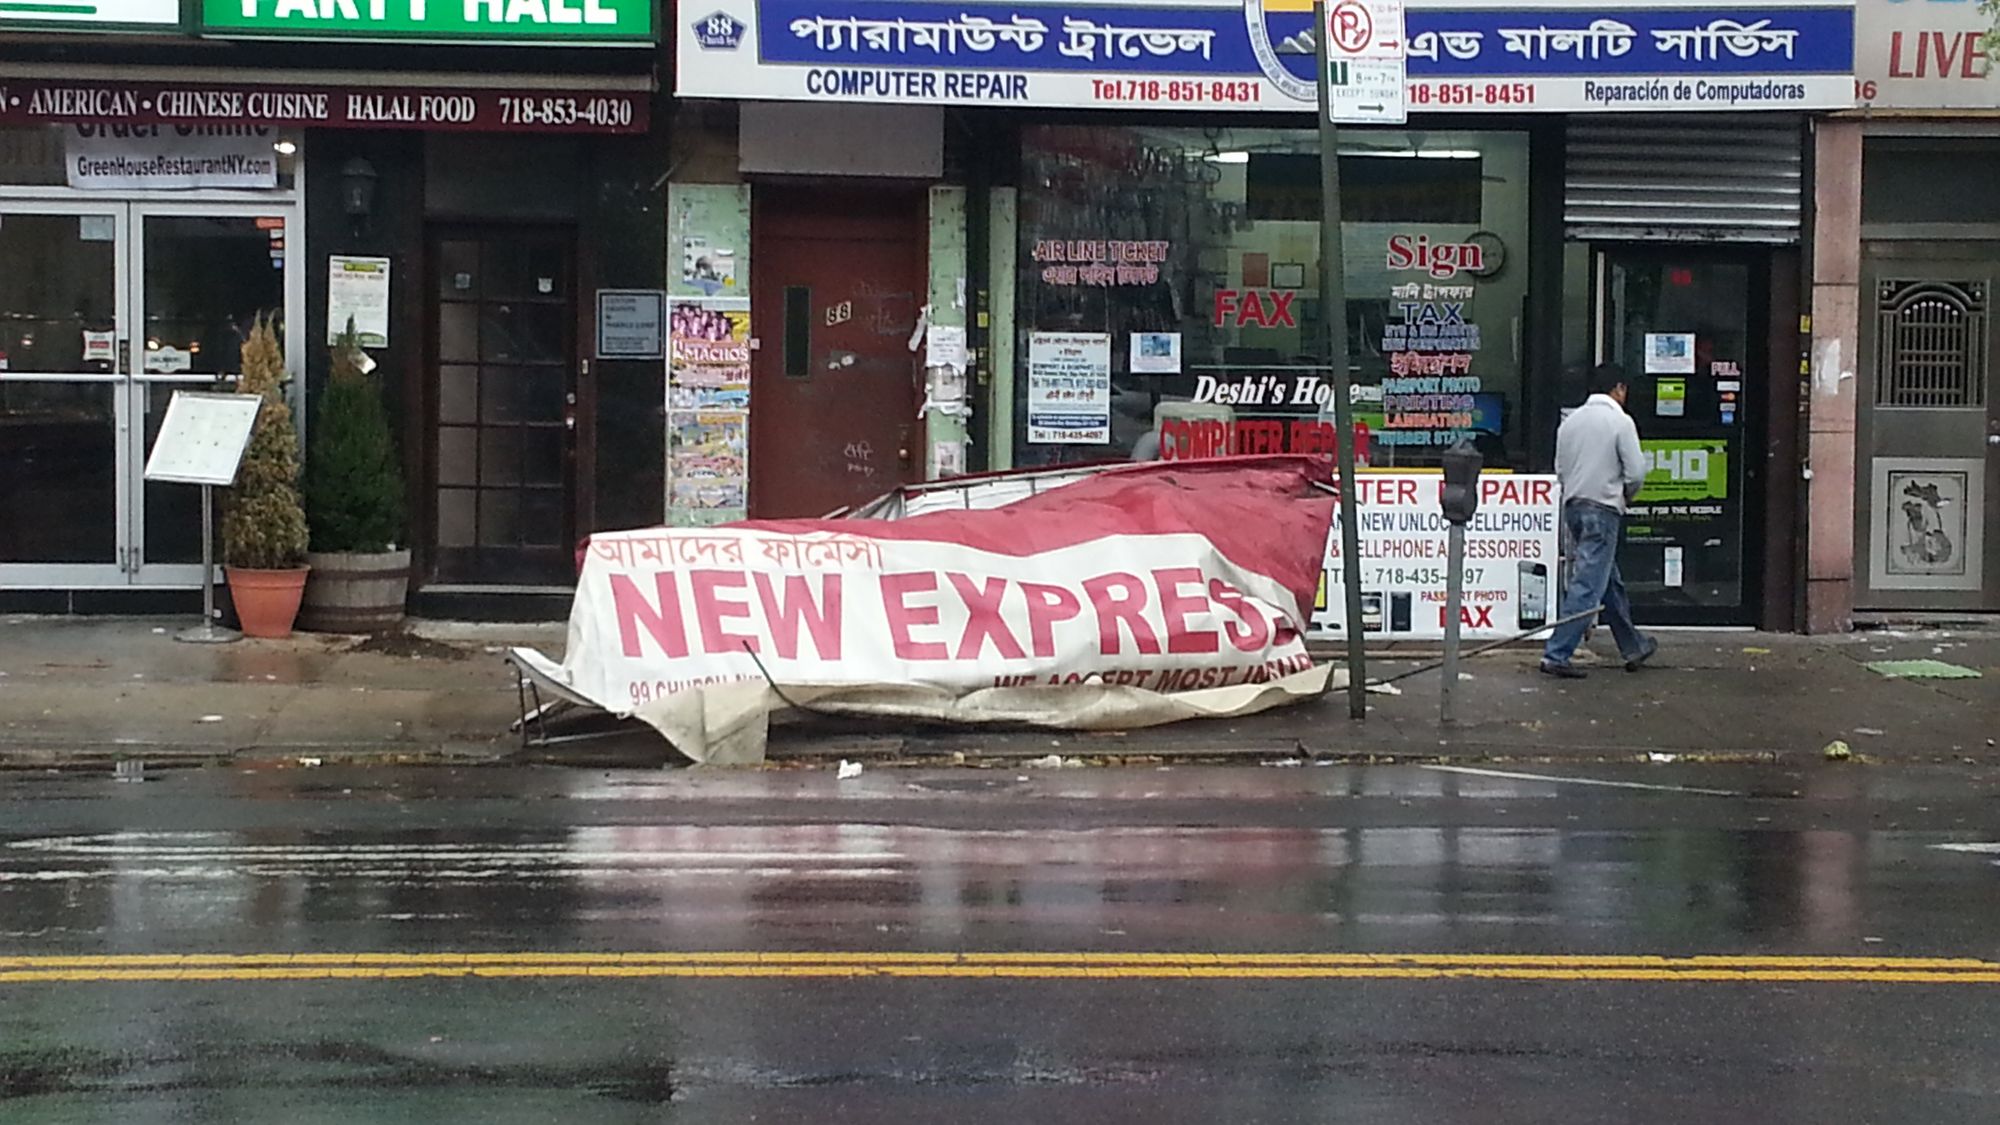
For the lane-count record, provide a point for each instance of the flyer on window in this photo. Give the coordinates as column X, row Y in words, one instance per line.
column 1069, row 388
column 357, row 289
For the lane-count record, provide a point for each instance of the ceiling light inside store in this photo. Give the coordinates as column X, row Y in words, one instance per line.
column 1419, row 154
column 1229, row 157
column 286, row 148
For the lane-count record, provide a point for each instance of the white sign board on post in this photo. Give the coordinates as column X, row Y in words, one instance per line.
column 201, row 441
column 1365, row 51
column 1510, row 559
column 202, row 438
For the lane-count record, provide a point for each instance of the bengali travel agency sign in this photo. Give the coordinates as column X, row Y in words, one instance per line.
column 570, row 22
column 1464, row 56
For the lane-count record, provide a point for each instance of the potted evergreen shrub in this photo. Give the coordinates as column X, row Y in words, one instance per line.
column 354, row 505
column 263, row 524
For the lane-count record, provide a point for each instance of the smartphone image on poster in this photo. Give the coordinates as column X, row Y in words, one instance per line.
column 1371, row 612
column 1532, row 599
column 1399, row 612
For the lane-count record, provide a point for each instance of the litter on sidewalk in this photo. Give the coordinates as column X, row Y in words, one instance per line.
column 1921, row 670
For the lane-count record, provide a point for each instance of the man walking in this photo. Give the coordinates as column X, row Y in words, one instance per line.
column 1601, row 469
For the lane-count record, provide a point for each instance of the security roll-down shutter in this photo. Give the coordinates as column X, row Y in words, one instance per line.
column 1689, row 178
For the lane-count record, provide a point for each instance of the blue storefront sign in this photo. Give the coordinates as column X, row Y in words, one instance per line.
column 1257, row 54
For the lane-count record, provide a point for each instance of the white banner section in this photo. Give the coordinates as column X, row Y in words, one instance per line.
column 178, row 157
column 1111, row 602
column 1510, row 559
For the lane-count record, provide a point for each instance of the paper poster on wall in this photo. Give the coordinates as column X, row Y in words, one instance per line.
column 1156, row 353
column 357, row 289
column 628, row 324
column 709, row 354
column 1928, row 524
column 1069, row 388
column 944, row 393
column 1670, row 398
column 944, row 346
column 707, row 466
column 1930, row 528
column 711, row 269
column 948, row 458
column 1669, row 353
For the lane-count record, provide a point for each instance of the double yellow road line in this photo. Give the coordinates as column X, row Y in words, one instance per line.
column 998, row 966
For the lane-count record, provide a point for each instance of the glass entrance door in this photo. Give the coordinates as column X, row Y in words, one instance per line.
column 1687, row 328
column 106, row 310
column 64, row 406
column 204, row 274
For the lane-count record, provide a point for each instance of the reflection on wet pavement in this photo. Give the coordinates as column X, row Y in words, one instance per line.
column 1570, row 875
column 1294, row 860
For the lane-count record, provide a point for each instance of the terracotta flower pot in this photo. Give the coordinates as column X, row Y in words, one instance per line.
column 267, row 601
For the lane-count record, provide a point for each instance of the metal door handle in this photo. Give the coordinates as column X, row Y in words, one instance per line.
column 1993, row 439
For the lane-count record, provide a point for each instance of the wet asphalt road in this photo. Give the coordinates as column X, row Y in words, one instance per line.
column 130, row 917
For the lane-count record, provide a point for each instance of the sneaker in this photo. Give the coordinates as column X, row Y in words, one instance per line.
column 1562, row 671
column 1634, row 663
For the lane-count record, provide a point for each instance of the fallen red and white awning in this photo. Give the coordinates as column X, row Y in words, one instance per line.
column 1121, row 598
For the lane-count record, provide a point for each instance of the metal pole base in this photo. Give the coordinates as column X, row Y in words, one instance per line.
column 207, row 635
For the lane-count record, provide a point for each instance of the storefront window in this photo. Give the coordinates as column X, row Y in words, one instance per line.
column 1181, row 267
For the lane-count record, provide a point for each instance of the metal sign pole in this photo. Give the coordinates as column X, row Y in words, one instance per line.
column 207, row 633
column 1333, row 311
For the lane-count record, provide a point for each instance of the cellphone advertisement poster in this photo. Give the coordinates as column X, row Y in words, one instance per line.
column 1511, row 548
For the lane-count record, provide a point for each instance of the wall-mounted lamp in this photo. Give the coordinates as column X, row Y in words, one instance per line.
column 357, row 191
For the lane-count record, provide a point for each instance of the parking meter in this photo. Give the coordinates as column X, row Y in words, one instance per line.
column 1459, row 499
column 1462, row 464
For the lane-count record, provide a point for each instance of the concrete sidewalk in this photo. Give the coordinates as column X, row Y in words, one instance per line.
column 79, row 691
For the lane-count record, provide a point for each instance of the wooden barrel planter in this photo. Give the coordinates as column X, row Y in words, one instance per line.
column 355, row 593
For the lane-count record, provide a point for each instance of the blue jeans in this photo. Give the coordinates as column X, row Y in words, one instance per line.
column 1594, row 533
